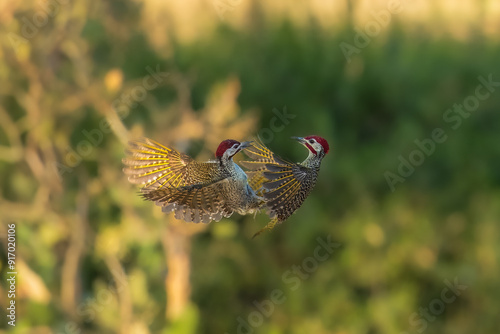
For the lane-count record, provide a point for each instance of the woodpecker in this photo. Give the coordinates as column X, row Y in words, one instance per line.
column 284, row 185
column 195, row 191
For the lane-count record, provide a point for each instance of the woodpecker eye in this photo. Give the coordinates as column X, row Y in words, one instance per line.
column 311, row 141
column 235, row 145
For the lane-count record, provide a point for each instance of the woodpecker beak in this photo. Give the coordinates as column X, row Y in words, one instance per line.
column 246, row 144
column 299, row 139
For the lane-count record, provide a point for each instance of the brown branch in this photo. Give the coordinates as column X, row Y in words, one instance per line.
column 69, row 279
column 123, row 293
column 177, row 245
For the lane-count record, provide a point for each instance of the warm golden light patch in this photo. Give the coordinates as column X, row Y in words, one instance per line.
column 113, row 80
column 425, row 257
column 374, row 234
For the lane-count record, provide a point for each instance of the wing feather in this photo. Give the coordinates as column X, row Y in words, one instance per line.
column 283, row 184
column 155, row 166
column 191, row 204
column 262, row 157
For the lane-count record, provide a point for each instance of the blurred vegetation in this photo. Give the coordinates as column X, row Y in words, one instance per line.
column 93, row 257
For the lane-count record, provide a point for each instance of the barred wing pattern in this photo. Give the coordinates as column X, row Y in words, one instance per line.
column 286, row 185
column 156, row 166
column 261, row 156
column 198, row 203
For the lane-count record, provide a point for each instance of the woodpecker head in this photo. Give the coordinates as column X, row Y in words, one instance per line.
column 228, row 148
column 316, row 145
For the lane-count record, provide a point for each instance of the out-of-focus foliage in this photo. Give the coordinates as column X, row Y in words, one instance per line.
column 92, row 257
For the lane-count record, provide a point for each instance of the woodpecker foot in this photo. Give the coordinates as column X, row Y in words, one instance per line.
column 269, row 226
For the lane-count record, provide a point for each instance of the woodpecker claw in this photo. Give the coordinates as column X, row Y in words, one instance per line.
column 269, row 227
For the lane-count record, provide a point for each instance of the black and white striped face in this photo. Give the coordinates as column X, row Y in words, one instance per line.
column 315, row 144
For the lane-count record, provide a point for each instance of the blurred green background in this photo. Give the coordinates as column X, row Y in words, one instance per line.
column 79, row 79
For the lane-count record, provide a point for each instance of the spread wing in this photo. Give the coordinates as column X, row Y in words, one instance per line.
column 197, row 203
column 286, row 189
column 284, row 184
column 261, row 156
column 156, row 166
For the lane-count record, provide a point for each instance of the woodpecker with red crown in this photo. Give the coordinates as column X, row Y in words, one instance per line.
column 195, row 191
column 284, row 185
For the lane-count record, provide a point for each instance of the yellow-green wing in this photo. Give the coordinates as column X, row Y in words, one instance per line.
column 284, row 184
column 256, row 167
column 155, row 166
